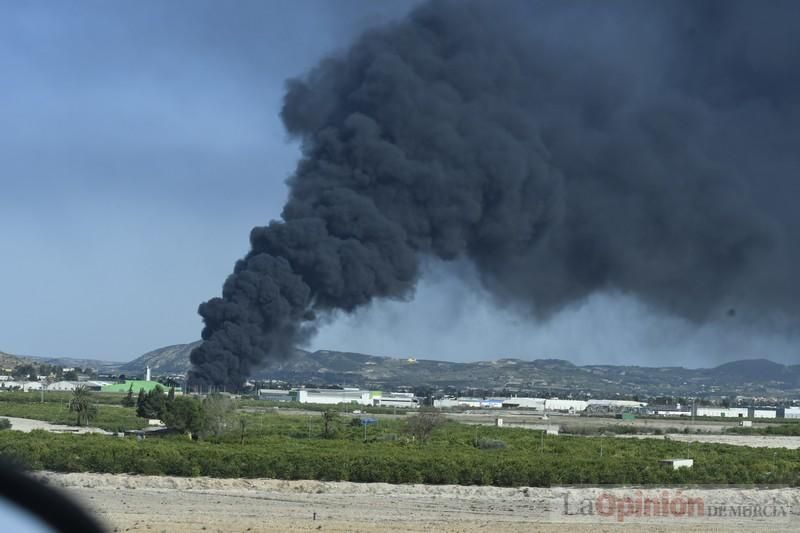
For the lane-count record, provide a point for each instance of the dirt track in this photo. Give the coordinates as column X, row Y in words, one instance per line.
column 151, row 503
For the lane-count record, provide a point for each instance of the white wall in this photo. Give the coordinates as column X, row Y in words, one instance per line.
column 528, row 403
column 792, row 412
column 764, row 413
column 334, row 397
column 733, row 412
column 565, row 405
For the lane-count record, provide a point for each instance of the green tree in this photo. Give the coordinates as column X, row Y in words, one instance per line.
column 4, row 423
column 185, row 414
column 128, row 400
column 171, row 394
column 422, row 425
column 219, row 414
column 153, row 404
column 330, row 423
column 24, row 371
column 81, row 404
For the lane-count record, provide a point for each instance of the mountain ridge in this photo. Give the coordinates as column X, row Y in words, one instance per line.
column 329, row 367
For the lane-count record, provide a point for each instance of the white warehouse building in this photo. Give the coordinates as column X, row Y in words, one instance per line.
column 764, row 413
column 729, row 412
column 791, row 412
column 334, row 396
column 404, row 400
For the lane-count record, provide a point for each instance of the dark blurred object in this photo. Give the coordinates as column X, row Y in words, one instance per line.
column 47, row 504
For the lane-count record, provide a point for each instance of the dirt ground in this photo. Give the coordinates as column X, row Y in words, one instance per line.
column 754, row 441
column 171, row 504
column 26, row 425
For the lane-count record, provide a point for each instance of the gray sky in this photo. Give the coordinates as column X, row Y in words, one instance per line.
column 124, row 127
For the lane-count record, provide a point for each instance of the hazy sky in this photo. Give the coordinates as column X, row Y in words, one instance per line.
column 125, row 125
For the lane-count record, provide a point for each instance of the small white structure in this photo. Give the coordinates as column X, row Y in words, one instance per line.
column 675, row 464
column 746, row 423
column 498, row 422
column 147, row 373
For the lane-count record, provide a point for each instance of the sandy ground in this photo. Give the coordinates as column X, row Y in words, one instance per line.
column 27, row 424
column 755, row 441
column 155, row 503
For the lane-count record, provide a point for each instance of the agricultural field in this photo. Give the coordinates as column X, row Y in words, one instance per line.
column 330, row 447
column 55, row 409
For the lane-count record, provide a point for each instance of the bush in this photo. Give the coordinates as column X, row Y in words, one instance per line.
column 451, row 455
column 422, row 425
column 490, row 444
column 5, row 423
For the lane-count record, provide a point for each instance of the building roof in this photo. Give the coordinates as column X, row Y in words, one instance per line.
column 138, row 384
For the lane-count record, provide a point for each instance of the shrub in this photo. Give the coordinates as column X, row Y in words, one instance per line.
column 422, row 425
column 5, row 423
column 490, row 444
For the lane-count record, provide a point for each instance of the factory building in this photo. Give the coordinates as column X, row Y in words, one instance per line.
column 447, row 403
column 565, row 406
column 537, row 404
column 275, row 395
column 403, row 400
column 764, row 413
column 723, row 412
column 334, row 396
column 72, row 385
column 21, row 385
column 791, row 412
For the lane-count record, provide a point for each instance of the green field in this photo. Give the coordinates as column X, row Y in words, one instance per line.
column 293, row 447
column 55, row 409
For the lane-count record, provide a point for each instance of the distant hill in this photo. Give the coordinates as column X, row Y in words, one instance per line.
column 328, row 367
column 757, row 377
column 9, row 361
column 172, row 359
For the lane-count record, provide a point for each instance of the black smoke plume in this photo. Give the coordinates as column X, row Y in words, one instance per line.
column 562, row 147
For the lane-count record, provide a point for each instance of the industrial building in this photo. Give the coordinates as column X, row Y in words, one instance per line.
column 403, row 400
column 275, row 395
column 791, row 412
column 72, row 385
column 136, row 384
column 726, row 412
column 334, row 396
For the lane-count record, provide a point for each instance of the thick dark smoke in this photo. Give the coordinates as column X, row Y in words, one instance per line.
column 564, row 148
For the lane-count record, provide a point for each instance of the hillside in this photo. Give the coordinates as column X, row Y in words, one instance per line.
column 325, row 367
column 756, row 377
column 173, row 359
column 8, row 360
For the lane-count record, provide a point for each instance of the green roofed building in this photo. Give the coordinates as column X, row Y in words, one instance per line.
column 138, row 384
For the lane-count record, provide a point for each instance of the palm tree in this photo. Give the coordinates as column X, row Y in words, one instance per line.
column 81, row 404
